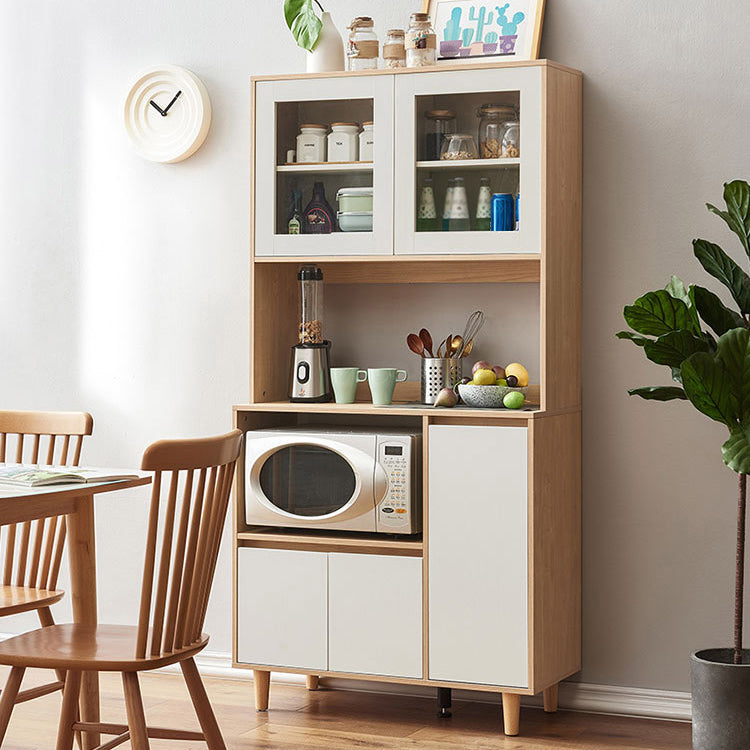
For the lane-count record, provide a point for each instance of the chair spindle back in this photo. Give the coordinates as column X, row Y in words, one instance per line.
column 192, row 482
column 32, row 551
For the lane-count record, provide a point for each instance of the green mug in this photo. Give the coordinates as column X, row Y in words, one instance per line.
column 382, row 381
column 344, row 381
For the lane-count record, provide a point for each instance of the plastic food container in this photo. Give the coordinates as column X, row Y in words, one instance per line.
column 355, row 221
column 459, row 146
column 354, row 199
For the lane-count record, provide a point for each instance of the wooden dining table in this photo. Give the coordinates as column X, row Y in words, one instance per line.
column 19, row 504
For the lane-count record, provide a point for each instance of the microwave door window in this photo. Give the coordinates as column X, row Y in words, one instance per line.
column 307, row 480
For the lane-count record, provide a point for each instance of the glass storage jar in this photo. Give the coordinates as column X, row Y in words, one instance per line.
column 512, row 140
column 311, row 143
column 440, row 123
column 363, row 48
column 492, row 122
column 343, row 141
column 367, row 141
column 459, row 146
column 420, row 42
column 394, row 54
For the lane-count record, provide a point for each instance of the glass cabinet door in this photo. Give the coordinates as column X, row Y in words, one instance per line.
column 282, row 107
column 443, row 200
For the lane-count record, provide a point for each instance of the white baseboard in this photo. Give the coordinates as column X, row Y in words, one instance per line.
column 574, row 696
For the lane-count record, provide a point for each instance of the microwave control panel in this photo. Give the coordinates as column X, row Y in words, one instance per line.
column 396, row 511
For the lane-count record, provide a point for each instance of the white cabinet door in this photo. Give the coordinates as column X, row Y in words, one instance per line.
column 280, row 108
column 282, row 607
column 464, row 91
column 375, row 614
column 478, row 591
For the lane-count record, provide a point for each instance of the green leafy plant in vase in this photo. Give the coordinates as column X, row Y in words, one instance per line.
column 317, row 35
column 711, row 369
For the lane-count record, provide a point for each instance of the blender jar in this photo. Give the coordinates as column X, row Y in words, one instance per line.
column 311, row 305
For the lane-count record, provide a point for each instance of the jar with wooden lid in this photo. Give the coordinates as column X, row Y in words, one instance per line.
column 420, row 42
column 440, row 123
column 492, row 126
column 363, row 47
column 394, row 54
column 343, row 141
column 367, row 141
column 311, row 143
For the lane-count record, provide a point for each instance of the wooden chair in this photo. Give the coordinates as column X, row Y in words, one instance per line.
column 32, row 551
column 178, row 573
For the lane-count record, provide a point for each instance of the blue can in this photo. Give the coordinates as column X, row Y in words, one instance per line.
column 502, row 212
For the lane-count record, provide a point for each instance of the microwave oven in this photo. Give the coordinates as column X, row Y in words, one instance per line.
column 352, row 479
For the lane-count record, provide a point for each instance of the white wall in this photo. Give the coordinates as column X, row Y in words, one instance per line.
column 124, row 283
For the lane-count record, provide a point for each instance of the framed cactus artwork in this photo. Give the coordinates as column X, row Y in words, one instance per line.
column 467, row 29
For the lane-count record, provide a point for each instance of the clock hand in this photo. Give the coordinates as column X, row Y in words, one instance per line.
column 174, row 99
column 157, row 108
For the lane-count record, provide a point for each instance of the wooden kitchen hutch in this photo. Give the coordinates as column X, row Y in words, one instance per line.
column 488, row 597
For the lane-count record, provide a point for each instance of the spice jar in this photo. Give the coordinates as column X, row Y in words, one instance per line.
column 512, row 140
column 440, row 123
column 458, row 146
column 367, row 141
column 343, row 141
column 363, row 48
column 311, row 143
column 394, row 54
column 492, row 123
column 420, row 42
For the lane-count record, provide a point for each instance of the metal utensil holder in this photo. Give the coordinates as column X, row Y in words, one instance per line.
column 437, row 373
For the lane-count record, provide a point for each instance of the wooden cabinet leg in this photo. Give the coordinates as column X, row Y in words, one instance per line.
column 511, row 713
column 262, row 680
column 312, row 681
column 550, row 699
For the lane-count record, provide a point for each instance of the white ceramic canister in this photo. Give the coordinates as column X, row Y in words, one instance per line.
column 343, row 141
column 367, row 141
column 311, row 143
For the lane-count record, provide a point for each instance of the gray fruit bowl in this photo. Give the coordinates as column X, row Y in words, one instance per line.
column 485, row 396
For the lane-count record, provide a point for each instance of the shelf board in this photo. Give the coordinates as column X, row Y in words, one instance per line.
column 399, row 409
column 469, row 164
column 325, row 541
column 336, row 167
column 420, row 269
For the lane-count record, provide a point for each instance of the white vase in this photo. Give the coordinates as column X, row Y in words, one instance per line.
column 329, row 51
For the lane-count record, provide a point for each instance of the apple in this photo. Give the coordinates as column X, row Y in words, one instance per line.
column 483, row 364
column 485, row 377
column 499, row 371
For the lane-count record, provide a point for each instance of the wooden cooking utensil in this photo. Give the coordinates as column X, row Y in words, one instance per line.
column 424, row 334
column 415, row 344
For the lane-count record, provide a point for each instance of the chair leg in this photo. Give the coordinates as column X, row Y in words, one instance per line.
column 47, row 621
column 202, row 705
column 134, row 707
column 65, row 733
column 8, row 698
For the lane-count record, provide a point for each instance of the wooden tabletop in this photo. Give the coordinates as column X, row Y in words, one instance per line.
column 73, row 489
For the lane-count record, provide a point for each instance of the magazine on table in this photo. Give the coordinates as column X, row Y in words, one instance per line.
column 36, row 475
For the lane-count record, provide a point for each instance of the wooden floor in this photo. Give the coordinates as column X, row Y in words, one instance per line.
column 338, row 720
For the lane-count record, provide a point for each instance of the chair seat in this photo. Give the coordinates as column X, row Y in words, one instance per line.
column 15, row 599
column 95, row 648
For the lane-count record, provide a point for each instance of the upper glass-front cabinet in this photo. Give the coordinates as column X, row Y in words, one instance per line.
column 326, row 122
column 407, row 163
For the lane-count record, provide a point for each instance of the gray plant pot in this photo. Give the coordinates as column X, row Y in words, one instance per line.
column 721, row 700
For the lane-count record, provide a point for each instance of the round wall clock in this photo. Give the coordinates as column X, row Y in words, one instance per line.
column 167, row 113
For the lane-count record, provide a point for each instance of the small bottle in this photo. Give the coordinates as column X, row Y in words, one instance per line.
column 447, row 206
column 294, row 225
column 318, row 215
column 427, row 215
column 458, row 221
column 363, row 48
column 483, row 218
column 394, row 54
column 420, row 42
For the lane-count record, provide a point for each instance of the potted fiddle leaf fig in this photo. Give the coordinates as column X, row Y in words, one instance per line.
column 706, row 346
column 318, row 35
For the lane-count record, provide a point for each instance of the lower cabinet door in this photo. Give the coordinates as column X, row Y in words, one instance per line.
column 375, row 614
column 282, row 606
column 477, row 522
